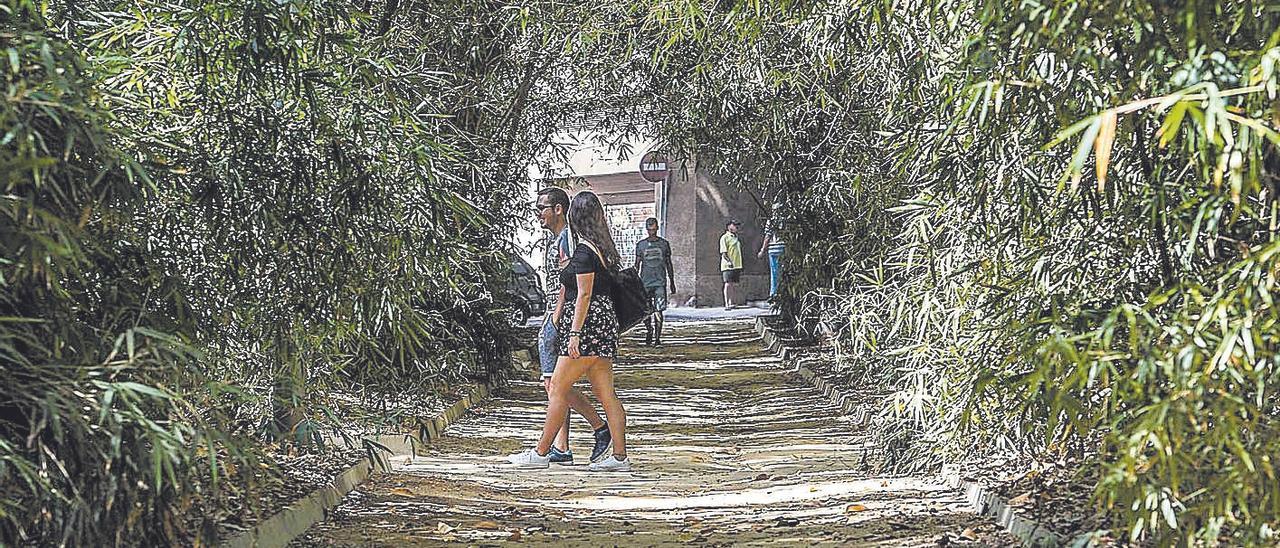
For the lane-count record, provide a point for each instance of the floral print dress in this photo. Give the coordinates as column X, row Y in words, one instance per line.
column 600, row 330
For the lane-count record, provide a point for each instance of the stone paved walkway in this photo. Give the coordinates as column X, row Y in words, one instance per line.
column 727, row 447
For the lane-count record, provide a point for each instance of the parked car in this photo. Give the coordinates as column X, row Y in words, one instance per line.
column 528, row 298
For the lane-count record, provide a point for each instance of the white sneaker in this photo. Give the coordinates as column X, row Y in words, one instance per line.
column 612, row 464
column 530, row 459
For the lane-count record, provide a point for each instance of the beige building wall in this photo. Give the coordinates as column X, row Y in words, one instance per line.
column 716, row 202
column 710, row 204
column 681, row 229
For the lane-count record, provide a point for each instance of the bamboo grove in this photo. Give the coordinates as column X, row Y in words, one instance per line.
column 1036, row 226
column 1039, row 226
column 216, row 216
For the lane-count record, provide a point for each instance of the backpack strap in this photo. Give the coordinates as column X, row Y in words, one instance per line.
column 599, row 255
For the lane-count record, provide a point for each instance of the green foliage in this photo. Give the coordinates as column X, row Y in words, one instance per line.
column 1182, row 388
column 217, row 215
column 90, row 439
column 1042, row 226
column 304, row 194
column 1036, row 226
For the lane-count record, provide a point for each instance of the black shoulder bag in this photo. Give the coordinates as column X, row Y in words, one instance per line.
column 630, row 303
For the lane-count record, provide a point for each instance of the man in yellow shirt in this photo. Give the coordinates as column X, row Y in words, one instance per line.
column 730, row 261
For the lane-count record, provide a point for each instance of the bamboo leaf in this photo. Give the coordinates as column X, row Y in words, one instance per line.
column 1076, row 167
column 1172, row 122
column 1102, row 147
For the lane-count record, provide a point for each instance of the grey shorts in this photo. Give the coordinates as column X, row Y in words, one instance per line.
column 657, row 296
column 548, row 347
column 732, row 276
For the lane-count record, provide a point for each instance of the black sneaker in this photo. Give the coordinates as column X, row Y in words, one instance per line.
column 604, row 442
column 560, row 457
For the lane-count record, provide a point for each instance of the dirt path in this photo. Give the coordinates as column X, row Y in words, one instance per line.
column 727, row 449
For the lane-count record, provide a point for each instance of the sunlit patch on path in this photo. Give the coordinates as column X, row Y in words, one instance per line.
column 728, row 448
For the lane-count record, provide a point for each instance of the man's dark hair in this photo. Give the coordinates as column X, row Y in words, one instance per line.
column 730, row 222
column 651, row 221
column 557, row 196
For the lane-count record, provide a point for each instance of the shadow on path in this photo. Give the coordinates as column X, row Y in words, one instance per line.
column 727, row 449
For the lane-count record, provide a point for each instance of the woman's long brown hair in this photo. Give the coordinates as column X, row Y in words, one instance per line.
column 587, row 222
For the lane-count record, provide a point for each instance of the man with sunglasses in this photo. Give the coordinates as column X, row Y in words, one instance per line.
column 553, row 205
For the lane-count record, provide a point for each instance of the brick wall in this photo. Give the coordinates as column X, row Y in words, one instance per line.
column 626, row 224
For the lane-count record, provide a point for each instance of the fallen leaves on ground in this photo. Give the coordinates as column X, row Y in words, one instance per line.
column 1020, row 500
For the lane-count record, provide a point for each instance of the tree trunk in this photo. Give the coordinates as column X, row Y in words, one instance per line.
column 289, row 389
column 384, row 23
column 1157, row 220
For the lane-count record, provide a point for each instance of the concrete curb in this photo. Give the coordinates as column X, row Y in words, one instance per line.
column 778, row 346
column 987, row 503
column 295, row 519
column 280, row 529
column 860, row 415
column 981, row 500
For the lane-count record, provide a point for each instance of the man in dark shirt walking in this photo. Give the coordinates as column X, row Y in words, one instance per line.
column 653, row 262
